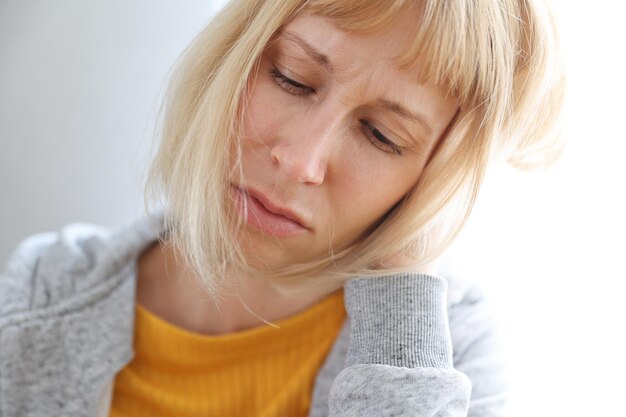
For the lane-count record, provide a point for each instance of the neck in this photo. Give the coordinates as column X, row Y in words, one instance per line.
column 176, row 295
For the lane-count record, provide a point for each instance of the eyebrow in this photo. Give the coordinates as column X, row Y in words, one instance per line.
column 317, row 56
column 387, row 104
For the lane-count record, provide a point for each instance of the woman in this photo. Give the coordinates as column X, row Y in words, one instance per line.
column 312, row 152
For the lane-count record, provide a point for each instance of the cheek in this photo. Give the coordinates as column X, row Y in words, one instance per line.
column 367, row 192
column 378, row 179
column 264, row 116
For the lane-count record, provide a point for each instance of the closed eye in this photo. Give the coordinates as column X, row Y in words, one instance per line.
column 290, row 85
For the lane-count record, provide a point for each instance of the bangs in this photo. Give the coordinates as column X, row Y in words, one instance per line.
column 500, row 59
column 468, row 48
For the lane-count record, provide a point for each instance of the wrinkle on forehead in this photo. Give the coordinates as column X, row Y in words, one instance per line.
column 448, row 58
column 362, row 50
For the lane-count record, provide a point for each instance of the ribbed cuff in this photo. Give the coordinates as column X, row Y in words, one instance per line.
column 398, row 320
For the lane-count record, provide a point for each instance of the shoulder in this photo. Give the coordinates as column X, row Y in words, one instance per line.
column 477, row 347
column 47, row 268
column 470, row 315
column 42, row 266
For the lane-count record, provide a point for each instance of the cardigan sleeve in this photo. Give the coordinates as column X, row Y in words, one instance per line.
column 400, row 355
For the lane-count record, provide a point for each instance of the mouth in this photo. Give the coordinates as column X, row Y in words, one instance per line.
column 267, row 216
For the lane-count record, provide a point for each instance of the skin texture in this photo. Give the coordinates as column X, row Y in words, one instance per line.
column 312, row 147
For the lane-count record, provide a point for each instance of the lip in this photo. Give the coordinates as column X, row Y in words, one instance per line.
column 287, row 212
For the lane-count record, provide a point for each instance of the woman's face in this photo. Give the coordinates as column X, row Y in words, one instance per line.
column 335, row 132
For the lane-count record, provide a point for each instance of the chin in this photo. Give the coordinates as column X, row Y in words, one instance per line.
column 266, row 253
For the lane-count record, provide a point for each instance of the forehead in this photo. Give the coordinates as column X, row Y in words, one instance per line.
column 350, row 52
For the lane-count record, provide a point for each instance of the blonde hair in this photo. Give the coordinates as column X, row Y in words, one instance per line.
column 499, row 57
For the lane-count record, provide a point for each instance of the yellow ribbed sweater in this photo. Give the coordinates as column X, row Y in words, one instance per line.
column 257, row 372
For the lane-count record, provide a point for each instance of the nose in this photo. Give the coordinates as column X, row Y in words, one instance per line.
column 302, row 165
column 304, row 157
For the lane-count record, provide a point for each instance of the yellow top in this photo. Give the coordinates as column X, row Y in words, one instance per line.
column 257, row 372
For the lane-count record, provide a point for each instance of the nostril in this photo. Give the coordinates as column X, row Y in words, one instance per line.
column 301, row 165
column 273, row 156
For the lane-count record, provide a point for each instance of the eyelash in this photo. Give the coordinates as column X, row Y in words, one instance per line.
column 300, row 90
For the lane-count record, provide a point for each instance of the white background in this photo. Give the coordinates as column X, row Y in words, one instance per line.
column 80, row 83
